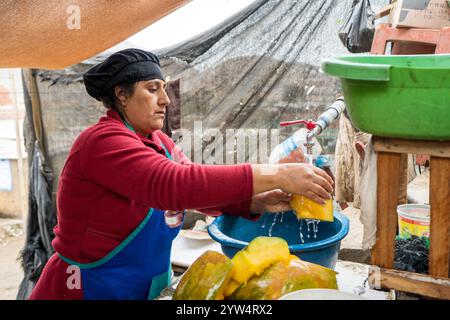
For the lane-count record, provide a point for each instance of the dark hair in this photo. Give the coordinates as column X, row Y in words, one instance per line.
column 110, row 100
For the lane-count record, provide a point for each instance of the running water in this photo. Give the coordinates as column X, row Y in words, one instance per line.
column 315, row 226
column 300, row 231
column 273, row 223
column 312, row 225
column 265, row 220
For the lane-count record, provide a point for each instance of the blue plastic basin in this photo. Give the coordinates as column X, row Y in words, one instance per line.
column 234, row 233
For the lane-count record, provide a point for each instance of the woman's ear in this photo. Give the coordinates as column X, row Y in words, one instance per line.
column 121, row 95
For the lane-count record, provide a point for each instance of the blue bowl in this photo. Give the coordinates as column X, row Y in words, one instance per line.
column 320, row 247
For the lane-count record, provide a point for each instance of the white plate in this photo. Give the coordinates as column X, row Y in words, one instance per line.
column 185, row 251
column 320, row 294
column 195, row 234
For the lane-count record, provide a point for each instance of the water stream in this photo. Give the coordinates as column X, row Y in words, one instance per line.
column 274, row 222
column 311, row 224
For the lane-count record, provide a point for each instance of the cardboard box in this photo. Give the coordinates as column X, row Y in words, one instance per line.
column 429, row 14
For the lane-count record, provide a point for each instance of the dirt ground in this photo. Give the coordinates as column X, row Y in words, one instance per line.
column 11, row 273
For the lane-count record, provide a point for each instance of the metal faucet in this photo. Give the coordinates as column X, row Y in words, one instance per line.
column 332, row 113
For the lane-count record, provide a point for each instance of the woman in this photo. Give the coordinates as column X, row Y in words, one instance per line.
column 125, row 185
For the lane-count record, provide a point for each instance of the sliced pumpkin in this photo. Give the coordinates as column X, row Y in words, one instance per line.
column 206, row 278
column 305, row 275
column 306, row 208
column 260, row 253
column 268, row 286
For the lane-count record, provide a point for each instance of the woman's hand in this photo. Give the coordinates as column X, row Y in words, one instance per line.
column 296, row 178
column 308, row 180
column 271, row 201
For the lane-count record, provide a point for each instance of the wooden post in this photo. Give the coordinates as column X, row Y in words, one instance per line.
column 440, row 216
column 403, row 183
column 32, row 87
column 388, row 186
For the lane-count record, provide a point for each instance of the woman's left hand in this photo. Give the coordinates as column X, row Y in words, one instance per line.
column 271, row 201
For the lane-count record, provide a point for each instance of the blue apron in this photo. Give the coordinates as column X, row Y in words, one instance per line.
column 138, row 269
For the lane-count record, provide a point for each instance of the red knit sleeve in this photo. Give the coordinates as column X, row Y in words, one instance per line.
column 116, row 159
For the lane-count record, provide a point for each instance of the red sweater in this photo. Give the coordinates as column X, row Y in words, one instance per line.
column 111, row 178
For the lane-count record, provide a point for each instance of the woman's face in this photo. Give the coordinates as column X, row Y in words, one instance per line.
column 145, row 108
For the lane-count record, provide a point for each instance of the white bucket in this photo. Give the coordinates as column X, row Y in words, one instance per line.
column 413, row 219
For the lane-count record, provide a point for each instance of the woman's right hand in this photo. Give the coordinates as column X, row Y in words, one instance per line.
column 305, row 179
column 296, row 178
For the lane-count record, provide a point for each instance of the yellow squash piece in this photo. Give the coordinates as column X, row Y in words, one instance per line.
column 206, row 278
column 306, row 275
column 260, row 253
column 268, row 286
column 281, row 278
column 306, row 208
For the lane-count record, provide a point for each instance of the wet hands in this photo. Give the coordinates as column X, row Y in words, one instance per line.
column 307, row 180
column 271, row 201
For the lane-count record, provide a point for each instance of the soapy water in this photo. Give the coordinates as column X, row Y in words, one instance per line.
column 311, row 224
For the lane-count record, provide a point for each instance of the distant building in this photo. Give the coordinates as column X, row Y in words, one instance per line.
column 13, row 170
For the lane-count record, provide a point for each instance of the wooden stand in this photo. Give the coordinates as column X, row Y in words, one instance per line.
column 389, row 168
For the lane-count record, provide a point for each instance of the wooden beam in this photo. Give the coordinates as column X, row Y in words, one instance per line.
column 439, row 149
column 440, row 217
column 424, row 285
column 386, row 10
column 32, row 87
column 388, row 186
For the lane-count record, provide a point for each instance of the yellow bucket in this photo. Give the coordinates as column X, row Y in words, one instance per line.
column 413, row 219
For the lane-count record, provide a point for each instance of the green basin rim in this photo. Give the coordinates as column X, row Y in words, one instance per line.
column 378, row 67
column 356, row 70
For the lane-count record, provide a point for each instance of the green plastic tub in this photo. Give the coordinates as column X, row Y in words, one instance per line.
column 399, row 96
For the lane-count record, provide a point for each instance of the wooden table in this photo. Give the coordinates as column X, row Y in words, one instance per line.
column 391, row 169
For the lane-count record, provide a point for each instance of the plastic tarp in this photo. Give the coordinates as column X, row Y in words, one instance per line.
column 262, row 66
column 41, row 219
column 41, row 210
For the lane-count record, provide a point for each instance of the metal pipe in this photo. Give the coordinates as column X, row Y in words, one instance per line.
column 332, row 113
